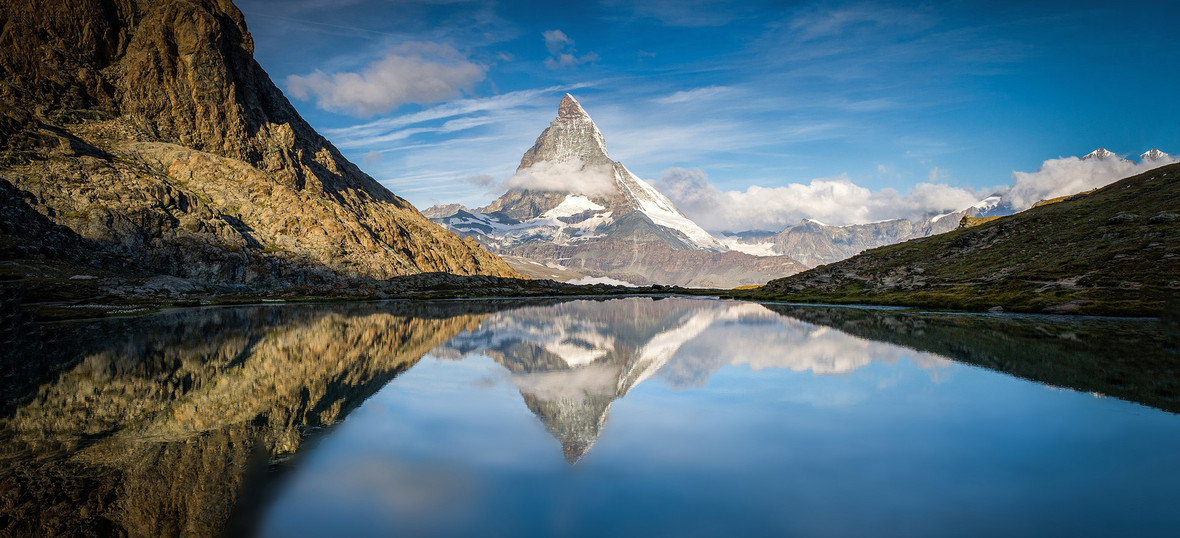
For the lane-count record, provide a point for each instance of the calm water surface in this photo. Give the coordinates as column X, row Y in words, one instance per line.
column 634, row 416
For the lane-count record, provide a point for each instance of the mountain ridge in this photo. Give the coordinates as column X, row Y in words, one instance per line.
column 148, row 128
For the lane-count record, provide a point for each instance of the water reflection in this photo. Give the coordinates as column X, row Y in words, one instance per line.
column 158, row 425
column 179, row 423
column 571, row 361
column 1136, row 360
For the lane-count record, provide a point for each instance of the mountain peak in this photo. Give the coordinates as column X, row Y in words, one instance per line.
column 571, row 109
column 572, row 135
column 1101, row 154
column 1154, row 155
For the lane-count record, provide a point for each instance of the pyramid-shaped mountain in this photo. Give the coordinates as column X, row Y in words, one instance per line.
column 591, row 194
column 572, row 209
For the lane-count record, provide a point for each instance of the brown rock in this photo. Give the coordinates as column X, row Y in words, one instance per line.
column 148, row 127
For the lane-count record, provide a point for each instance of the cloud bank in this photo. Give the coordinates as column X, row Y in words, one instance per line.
column 835, row 201
column 565, row 176
column 1071, row 175
column 415, row 72
column 839, row 201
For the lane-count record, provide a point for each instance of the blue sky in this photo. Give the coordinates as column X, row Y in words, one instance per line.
column 439, row 99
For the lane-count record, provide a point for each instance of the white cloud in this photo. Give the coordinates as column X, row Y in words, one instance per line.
column 825, row 22
column 501, row 107
column 564, row 60
column 693, row 95
column 555, row 40
column 839, row 201
column 1070, row 175
column 565, row 176
column 835, row 201
column 562, row 53
column 420, row 73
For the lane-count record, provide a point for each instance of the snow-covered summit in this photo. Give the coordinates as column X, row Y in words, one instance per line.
column 1101, row 154
column 573, row 146
column 1154, row 155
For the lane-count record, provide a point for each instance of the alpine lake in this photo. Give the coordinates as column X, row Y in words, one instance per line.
column 635, row 416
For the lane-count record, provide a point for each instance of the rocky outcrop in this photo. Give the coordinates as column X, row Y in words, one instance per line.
column 146, row 126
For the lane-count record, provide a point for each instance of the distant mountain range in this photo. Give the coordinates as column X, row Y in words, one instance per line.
column 1114, row 250
column 814, row 243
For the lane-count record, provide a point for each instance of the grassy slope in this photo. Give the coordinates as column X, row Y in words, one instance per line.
column 1085, row 254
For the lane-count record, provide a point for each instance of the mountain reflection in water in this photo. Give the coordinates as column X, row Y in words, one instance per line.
column 185, row 422
column 571, row 361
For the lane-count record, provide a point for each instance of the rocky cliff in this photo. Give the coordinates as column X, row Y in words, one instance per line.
column 147, row 127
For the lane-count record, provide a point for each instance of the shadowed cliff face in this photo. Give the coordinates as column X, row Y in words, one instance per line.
column 147, row 126
column 165, row 425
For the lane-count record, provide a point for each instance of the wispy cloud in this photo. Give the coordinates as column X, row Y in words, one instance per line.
column 427, row 160
column 695, row 94
column 461, row 114
column 818, row 22
column 685, row 13
column 421, row 73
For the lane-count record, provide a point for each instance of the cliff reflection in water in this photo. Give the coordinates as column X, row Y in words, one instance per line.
column 169, row 424
column 158, row 425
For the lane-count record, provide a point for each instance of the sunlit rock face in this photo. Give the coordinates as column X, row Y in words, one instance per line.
column 573, row 360
column 572, row 135
column 570, row 205
column 147, row 127
column 159, row 427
